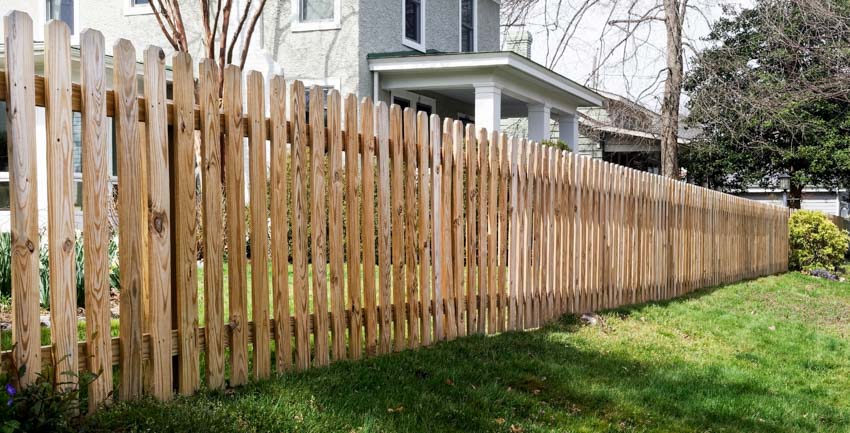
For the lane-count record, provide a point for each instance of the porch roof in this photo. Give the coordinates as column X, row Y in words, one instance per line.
column 518, row 77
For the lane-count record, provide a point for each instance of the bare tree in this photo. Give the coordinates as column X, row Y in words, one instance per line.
column 628, row 24
column 215, row 19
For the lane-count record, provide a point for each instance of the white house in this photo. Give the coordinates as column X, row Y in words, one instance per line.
column 439, row 56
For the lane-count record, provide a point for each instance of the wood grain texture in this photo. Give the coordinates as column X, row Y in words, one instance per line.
column 397, row 227
column 353, row 240
column 23, row 193
column 298, row 123
column 382, row 136
column 502, row 252
column 493, row 235
column 483, row 221
column 335, row 210
column 96, row 195
column 448, row 229
column 425, row 218
column 279, row 199
column 458, row 261
column 185, row 220
column 60, row 200
column 471, row 149
column 159, row 224
column 213, row 226
column 514, row 250
column 438, row 226
column 131, row 216
column 411, row 222
column 318, row 226
column 234, row 187
column 259, row 224
column 367, row 137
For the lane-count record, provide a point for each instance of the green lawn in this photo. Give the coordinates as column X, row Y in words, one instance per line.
column 771, row 355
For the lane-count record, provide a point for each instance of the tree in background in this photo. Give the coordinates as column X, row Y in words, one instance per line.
column 772, row 96
column 628, row 24
column 215, row 19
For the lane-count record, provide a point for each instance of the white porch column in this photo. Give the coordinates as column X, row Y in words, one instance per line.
column 538, row 122
column 568, row 129
column 488, row 107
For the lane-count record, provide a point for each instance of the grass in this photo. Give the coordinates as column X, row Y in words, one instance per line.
column 770, row 355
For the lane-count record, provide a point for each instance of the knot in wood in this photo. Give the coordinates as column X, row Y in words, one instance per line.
column 30, row 246
column 67, row 245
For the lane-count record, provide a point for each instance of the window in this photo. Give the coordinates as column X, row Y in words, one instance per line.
column 308, row 15
column 468, row 24
column 406, row 99
column 61, row 10
column 413, row 30
column 137, row 7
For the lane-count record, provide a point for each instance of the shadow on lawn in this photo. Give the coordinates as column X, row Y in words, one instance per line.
column 544, row 380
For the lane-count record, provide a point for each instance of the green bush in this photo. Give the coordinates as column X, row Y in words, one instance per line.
column 815, row 242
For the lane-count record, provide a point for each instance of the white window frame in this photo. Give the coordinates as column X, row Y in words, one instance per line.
column 131, row 8
column 414, row 99
column 310, row 26
column 418, row 46
column 474, row 26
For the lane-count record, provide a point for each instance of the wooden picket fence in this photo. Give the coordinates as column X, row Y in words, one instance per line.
column 420, row 230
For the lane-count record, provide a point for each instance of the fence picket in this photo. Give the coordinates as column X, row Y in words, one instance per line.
column 458, row 262
column 382, row 135
column 471, row 230
column 367, row 136
column 300, row 294
column 258, row 195
column 352, row 173
column 502, row 252
column 447, row 246
column 278, row 197
column 131, row 208
column 185, row 220
column 438, row 227
column 60, row 190
column 424, row 241
column 213, row 226
column 412, row 229
column 234, row 181
column 95, row 225
column 397, row 226
column 483, row 221
column 492, row 234
column 337, row 259
column 318, row 226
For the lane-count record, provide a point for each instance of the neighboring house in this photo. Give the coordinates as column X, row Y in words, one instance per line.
column 813, row 198
column 624, row 132
column 437, row 56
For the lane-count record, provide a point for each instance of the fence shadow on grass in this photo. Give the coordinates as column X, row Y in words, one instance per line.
column 540, row 380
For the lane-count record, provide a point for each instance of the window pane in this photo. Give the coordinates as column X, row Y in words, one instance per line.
column 316, row 10
column 412, row 12
column 424, row 107
column 141, row 2
column 466, row 12
column 466, row 40
column 61, row 10
column 401, row 102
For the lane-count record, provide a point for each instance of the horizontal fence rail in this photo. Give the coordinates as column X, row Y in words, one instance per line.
column 400, row 229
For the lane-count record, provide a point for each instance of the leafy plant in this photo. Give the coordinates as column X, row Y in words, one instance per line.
column 815, row 242
column 47, row 405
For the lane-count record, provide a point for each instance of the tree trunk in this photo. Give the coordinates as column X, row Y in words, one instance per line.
column 672, row 91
